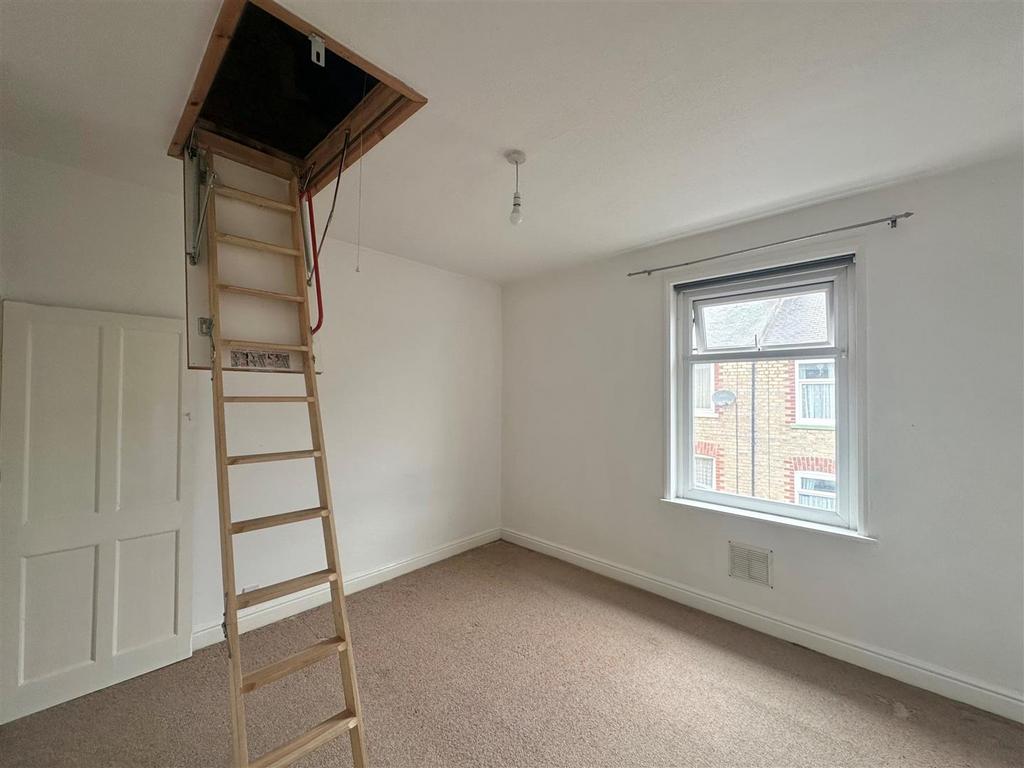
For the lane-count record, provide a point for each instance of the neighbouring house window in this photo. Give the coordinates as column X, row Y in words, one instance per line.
column 816, row 490
column 768, row 354
column 703, row 388
column 816, row 392
column 704, row 472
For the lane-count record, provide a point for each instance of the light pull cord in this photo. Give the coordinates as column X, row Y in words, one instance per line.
column 359, row 207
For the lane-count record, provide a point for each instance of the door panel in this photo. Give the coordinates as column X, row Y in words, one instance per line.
column 95, row 502
column 146, row 590
column 59, row 604
column 149, row 423
column 62, row 413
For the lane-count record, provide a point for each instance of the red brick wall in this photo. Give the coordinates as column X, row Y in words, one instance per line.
column 791, row 394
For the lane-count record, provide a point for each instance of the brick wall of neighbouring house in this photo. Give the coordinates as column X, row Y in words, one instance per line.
column 782, row 444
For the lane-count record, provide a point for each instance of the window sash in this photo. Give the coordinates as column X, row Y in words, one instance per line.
column 801, row 279
column 845, row 514
column 699, row 305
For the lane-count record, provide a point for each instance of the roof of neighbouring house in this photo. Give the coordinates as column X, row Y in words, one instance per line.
column 782, row 320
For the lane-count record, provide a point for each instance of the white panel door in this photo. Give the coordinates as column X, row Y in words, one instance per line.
column 95, row 502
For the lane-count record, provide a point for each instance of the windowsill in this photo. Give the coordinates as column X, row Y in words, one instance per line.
column 789, row 522
column 826, row 427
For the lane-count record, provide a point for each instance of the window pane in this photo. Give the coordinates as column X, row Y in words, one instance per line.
column 736, row 325
column 817, row 370
column 777, row 321
column 817, row 502
column 817, row 402
column 817, row 484
column 703, row 382
column 760, row 449
column 703, row 472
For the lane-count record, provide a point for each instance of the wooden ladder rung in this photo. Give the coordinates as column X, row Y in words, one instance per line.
column 254, row 199
column 260, row 293
column 267, row 346
column 312, row 739
column 237, row 369
column 268, row 399
column 259, row 458
column 291, row 664
column 259, row 523
column 257, row 245
column 282, row 588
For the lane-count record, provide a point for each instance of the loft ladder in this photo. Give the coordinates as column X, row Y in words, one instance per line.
column 349, row 720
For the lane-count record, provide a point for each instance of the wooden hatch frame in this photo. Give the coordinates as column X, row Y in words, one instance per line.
column 388, row 104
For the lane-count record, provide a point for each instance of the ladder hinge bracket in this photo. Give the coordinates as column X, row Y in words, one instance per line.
column 207, row 179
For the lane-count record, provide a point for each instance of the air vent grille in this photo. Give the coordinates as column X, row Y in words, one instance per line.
column 753, row 564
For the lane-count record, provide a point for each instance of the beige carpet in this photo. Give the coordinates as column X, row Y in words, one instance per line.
column 504, row 657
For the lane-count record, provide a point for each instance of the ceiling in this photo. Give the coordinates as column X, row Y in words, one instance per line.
column 640, row 121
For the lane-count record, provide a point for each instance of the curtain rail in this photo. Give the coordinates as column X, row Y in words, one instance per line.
column 892, row 221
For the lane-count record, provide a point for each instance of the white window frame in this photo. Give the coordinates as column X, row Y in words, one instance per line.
column 798, row 383
column 706, row 412
column 841, row 314
column 714, row 467
column 802, row 474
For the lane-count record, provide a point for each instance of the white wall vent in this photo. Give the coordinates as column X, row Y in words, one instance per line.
column 749, row 563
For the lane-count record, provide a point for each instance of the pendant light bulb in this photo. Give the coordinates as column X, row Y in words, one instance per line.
column 516, row 157
column 516, row 217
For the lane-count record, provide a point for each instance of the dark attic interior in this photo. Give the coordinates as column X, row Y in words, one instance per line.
column 270, row 83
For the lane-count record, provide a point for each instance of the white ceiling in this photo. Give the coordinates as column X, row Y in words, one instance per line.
column 640, row 121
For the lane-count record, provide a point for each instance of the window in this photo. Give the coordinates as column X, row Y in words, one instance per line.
column 815, row 489
column 816, row 392
column 768, row 354
column 704, row 472
column 703, row 388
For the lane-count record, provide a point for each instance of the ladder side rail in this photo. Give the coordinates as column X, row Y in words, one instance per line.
column 239, row 744
column 346, row 659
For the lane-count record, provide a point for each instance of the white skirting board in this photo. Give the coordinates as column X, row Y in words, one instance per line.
column 282, row 608
column 918, row 673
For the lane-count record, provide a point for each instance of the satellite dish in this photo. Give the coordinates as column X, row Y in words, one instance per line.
column 723, row 397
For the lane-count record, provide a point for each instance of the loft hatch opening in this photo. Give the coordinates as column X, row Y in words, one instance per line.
column 271, row 84
column 268, row 91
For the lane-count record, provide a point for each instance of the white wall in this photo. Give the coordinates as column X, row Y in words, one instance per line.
column 410, row 390
column 939, row 599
